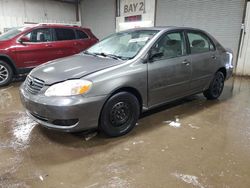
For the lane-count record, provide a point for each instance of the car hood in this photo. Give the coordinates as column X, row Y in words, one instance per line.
column 3, row 44
column 71, row 67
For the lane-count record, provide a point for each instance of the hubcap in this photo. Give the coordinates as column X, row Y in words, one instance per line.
column 218, row 86
column 4, row 73
column 119, row 114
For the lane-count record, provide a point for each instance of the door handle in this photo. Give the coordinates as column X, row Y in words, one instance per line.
column 186, row 62
column 48, row 45
column 76, row 44
column 214, row 57
column 59, row 52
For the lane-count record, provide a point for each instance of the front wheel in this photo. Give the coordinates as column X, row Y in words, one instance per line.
column 119, row 115
column 216, row 87
column 6, row 74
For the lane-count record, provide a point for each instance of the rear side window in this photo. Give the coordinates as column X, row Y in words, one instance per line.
column 40, row 35
column 81, row 35
column 64, row 34
column 199, row 43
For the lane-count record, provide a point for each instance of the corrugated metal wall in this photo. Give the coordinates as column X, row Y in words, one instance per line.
column 15, row 12
column 99, row 15
column 221, row 18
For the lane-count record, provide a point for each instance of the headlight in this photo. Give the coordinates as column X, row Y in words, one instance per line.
column 69, row 88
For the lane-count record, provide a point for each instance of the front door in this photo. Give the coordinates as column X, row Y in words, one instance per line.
column 38, row 49
column 169, row 69
column 83, row 41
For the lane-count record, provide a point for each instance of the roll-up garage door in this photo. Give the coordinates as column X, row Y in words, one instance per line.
column 221, row 18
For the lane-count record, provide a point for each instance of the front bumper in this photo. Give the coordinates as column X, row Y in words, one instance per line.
column 229, row 72
column 229, row 64
column 76, row 113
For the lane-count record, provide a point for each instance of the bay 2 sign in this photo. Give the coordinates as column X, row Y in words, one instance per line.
column 132, row 7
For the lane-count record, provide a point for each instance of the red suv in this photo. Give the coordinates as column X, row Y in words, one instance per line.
column 24, row 48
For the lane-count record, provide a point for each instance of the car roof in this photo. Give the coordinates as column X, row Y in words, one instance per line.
column 55, row 25
column 164, row 28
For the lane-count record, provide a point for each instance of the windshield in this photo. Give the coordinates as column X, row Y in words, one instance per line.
column 125, row 45
column 12, row 33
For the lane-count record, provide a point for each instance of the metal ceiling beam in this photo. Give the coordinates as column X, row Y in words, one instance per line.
column 67, row 1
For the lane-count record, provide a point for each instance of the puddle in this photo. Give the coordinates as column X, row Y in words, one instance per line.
column 117, row 182
column 5, row 100
column 92, row 185
column 22, row 129
column 41, row 178
column 138, row 142
column 176, row 123
column 2, row 90
column 90, row 136
column 193, row 127
column 188, row 179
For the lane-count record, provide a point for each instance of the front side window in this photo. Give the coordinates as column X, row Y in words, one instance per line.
column 64, row 34
column 170, row 45
column 199, row 43
column 125, row 45
column 39, row 35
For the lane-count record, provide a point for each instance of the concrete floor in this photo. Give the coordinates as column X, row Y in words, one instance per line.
column 210, row 148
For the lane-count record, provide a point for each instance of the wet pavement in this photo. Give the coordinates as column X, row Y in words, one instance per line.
column 189, row 143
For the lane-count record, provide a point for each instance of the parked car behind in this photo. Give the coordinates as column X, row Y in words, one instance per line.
column 110, row 84
column 24, row 48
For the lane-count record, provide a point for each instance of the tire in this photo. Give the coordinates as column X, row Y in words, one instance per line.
column 119, row 114
column 6, row 74
column 216, row 87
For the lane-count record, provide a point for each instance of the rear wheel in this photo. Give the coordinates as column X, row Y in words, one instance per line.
column 6, row 73
column 119, row 115
column 216, row 87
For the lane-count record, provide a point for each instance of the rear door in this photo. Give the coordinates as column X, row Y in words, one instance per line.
column 39, row 49
column 83, row 40
column 203, row 54
column 65, row 41
column 169, row 74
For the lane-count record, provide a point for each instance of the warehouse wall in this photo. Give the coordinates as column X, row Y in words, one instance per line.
column 99, row 15
column 16, row 12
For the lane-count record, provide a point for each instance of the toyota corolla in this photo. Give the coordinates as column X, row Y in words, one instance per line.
column 109, row 85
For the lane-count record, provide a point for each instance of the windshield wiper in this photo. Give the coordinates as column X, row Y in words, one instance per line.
column 116, row 57
column 88, row 53
column 109, row 55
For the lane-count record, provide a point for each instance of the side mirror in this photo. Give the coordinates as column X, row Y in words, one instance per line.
column 24, row 39
column 155, row 55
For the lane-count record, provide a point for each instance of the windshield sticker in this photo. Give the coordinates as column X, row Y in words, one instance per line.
column 142, row 39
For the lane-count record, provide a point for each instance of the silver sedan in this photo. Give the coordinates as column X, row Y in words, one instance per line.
column 109, row 85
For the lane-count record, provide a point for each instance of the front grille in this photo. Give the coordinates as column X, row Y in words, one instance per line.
column 33, row 85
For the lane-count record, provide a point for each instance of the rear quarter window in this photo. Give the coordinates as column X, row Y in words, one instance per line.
column 81, row 35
